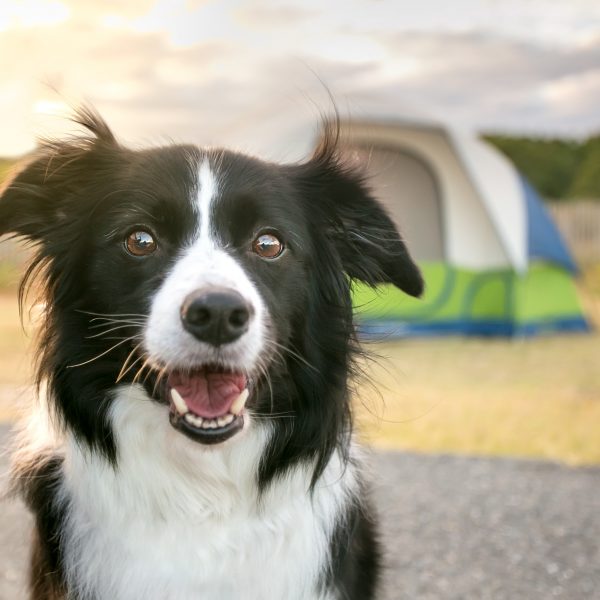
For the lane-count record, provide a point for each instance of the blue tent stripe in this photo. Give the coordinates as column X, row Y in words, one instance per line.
column 543, row 238
column 389, row 329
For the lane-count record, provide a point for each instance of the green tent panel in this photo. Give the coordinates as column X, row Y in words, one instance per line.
column 460, row 301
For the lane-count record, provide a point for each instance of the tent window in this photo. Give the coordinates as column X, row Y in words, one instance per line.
column 406, row 185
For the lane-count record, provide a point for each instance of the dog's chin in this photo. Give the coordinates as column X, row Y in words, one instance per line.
column 206, row 403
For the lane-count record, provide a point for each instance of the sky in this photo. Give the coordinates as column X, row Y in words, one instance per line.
column 254, row 74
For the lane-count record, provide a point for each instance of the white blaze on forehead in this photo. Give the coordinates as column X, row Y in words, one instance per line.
column 203, row 265
column 207, row 190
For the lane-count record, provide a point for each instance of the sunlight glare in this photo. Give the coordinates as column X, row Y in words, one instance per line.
column 32, row 13
column 50, row 107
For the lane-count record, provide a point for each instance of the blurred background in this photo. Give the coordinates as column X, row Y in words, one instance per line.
column 478, row 122
column 418, row 85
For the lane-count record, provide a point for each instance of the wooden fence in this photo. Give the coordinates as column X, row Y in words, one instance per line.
column 579, row 224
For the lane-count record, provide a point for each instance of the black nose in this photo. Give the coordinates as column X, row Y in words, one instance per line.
column 217, row 317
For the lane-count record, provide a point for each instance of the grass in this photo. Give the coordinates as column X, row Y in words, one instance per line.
column 6, row 164
column 15, row 368
column 9, row 277
column 530, row 398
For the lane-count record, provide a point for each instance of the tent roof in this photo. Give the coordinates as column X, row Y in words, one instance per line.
column 494, row 219
column 484, row 214
column 499, row 187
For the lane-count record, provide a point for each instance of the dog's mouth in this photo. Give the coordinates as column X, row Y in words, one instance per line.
column 207, row 404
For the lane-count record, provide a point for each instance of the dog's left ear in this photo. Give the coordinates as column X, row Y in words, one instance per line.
column 368, row 242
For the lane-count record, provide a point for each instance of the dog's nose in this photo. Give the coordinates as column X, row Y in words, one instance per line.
column 217, row 317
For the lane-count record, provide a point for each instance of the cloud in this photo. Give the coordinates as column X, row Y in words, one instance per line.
column 238, row 85
column 269, row 15
column 493, row 82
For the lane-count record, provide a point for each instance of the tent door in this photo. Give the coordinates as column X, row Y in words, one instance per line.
column 407, row 187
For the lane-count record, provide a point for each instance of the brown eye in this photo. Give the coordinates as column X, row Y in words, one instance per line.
column 267, row 246
column 140, row 243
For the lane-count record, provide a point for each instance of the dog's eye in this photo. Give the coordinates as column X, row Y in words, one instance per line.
column 267, row 245
column 140, row 243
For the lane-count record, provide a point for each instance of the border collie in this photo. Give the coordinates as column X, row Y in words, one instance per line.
column 194, row 437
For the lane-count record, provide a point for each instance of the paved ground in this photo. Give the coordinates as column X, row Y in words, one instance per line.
column 464, row 528
column 454, row 528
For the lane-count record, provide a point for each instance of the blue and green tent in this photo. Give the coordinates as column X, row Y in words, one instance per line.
column 493, row 260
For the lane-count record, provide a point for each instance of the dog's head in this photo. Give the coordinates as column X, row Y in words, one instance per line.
column 219, row 282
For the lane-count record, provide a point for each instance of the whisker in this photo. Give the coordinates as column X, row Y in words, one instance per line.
column 110, row 337
column 141, row 370
column 275, row 354
column 96, row 314
column 103, row 333
column 124, row 369
column 270, row 416
column 293, row 354
column 162, row 373
column 87, row 362
column 267, row 377
column 107, row 322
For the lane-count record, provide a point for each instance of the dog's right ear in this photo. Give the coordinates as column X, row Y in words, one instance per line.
column 25, row 202
column 33, row 200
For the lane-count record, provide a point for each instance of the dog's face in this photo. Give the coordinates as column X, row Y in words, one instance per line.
column 212, row 262
column 217, row 281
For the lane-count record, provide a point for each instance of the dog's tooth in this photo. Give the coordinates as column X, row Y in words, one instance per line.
column 178, row 401
column 239, row 403
column 225, row 420
column 193, row 419
column 190, row 418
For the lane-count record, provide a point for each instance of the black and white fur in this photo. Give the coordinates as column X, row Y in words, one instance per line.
column 128, row 507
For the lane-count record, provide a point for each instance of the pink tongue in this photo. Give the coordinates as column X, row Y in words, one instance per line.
column 208, row 394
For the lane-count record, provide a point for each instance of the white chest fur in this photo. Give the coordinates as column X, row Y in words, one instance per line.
column 179, row 521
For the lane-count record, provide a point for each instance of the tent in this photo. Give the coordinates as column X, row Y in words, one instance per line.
column 493, row 260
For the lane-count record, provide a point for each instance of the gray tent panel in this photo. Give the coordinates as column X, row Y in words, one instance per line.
column 407, row 187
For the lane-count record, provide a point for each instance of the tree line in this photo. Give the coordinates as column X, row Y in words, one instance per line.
column 559, row 169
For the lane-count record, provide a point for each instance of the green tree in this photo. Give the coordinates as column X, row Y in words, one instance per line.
column 586, row 183
column 549, row 164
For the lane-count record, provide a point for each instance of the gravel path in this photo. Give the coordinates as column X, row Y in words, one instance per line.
column 467, row 528
column 453, row 528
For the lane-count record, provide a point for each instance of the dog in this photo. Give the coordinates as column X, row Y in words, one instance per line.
column 196, row 346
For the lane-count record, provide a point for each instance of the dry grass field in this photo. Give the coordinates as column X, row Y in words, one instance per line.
column 532, row 398
column 14, row 358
